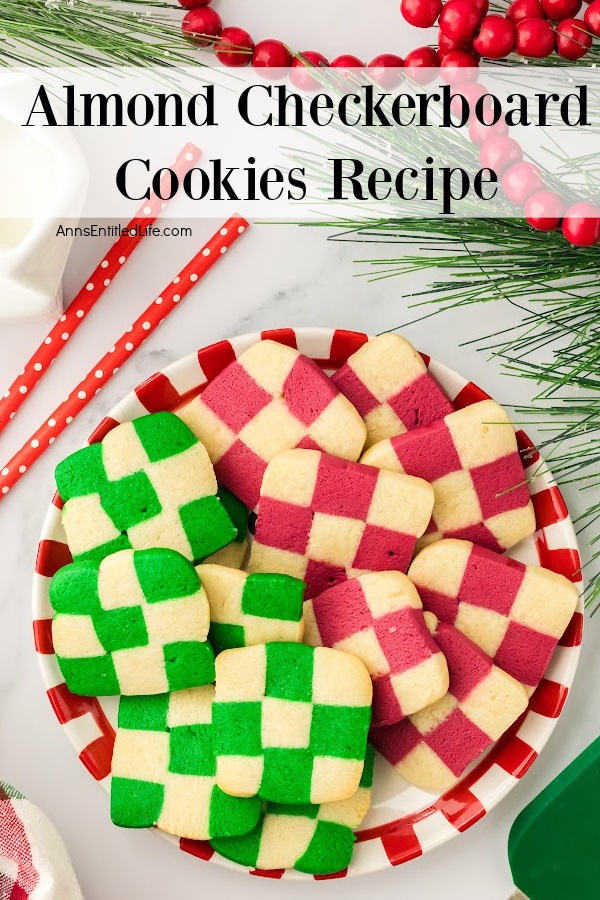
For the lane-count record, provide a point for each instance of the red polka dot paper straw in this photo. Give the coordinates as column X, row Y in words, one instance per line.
column 90, row 293
column 110, row 363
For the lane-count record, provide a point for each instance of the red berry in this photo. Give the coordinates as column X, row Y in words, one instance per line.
column 559, row 10
column 422, row 64
column 581, row 224
column 544, row 210
column 478, row 132
column 535, row 38
column 386, row 70
column 520, row 10
column 300, row 72
column 447, row 45
column 192, row 4
column 496, row 38
column 482, row 7
column 497, row 153
column 234, row 47
column 459, row 66
column 471, row 91
column 572, row 39
column 421, row 13
column 272, row 59
column 520, row 181
column 203, row 25
column 459, row 20
column 592, row 17
column 347, row 61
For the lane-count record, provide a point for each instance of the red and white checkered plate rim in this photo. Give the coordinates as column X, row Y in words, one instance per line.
column 404, row 821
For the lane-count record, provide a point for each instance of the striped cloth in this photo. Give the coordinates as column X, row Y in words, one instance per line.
column 33, row 860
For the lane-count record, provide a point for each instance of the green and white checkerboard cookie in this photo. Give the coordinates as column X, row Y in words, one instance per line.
column 234, row 554
column 163, row 769
column 136, row 623
column 149, row 483
column 314, row 839
column 291, row 722
column 251, row 609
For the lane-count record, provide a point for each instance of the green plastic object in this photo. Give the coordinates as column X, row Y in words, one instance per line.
column 553, row 846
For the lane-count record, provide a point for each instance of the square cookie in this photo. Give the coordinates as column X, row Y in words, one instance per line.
column 324, row 519
column 270, row 399
column 291, row 722
column 388, row 383
column 379, row 618
column 149, row 483
column 432, row 748
column 135, row 623
column 516, row 613
column 315, row 839
column 164, row 766
column 251, row 609
column 472, row 461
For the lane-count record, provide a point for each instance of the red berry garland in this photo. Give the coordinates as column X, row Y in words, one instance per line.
column 466, row 33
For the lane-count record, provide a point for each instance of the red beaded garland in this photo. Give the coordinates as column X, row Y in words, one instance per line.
column 421, row 65
column 535, row 38
column 231, row 46
column 447, row 45
column 459, row 20
column 520, row 181
column 497, row 153
column 558, row 10
column 203, row 25
column 525, row 9
column 192, row 4
column 273, row 56
column 385, row 70
column 572, row 39
column 471, row 91
column 478, row 132
column 300, row 72
column 459, row 66
column 581, row 224
column 496, row 38
column 592, row 17
column 421, row 13
column 544, row 210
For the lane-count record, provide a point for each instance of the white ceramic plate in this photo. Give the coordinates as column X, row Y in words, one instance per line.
column 404, row 822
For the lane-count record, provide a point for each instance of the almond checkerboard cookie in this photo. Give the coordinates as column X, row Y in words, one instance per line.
column 388, row 383
column 432, row 748
column 315, row 839
column 149, row 483
column 516, row 613
column 251, row 609
column 379, row 618
column 291, row 722
column 163, row 769
column 136, row 623
column 272, row 398
column 471, row 460
column 324, row 519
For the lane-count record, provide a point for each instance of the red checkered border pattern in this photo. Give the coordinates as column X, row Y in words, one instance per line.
column 509, row 759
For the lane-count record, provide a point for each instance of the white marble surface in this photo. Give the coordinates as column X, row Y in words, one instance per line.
column 276, row 276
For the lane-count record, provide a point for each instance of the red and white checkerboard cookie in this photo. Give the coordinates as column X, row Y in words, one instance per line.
column 271, row 398
column 472, row 461
column 379, row 618
column 388, row 383
column 433, row 748
column 516, row 613
column 325, row 519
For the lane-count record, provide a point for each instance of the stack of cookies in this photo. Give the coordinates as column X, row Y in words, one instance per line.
column 371, row 608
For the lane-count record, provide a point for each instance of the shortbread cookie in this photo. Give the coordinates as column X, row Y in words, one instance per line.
column 163, row 769
column 379, row 618
column 516, row 613
column 251, row 609
column 471, row 460
column 432, row 748
column 270, row 399
column 136, row 623
column 291, row 722
column 388, row 383
column 234, row 554
column 315, row 839
column 149, row 483
column 324, row 519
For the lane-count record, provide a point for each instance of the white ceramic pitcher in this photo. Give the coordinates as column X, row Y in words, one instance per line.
column 43, row 183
